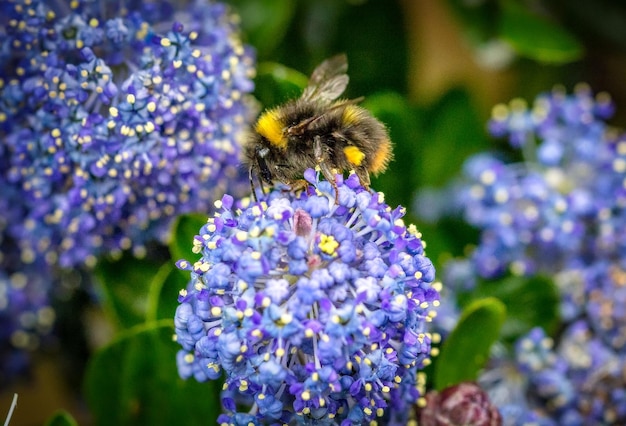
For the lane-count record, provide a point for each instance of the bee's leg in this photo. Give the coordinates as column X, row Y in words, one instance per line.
column 298, row 185
column 320, row 159
column 364, row 177
column 252, row 188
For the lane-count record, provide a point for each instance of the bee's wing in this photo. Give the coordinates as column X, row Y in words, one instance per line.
column 302, row 126
column 328, row 80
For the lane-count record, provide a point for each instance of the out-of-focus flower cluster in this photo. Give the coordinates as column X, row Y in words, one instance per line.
column 559, row 212
column 112, row 122
column 314, row 312
column 114, row 118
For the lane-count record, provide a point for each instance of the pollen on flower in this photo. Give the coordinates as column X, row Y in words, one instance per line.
column 328, row 244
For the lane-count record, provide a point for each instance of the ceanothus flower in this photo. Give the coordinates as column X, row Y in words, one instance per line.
column 26, row 317
column 560, row 212
column 314, row 312
column 580, row 380
column 114, row 118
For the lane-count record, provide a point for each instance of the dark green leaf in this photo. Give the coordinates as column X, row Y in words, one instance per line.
column 529, row 302
column 134, row 381
column 537, row 38
column 125, row 284
column 466, row 349
column 276, row 84
column 184, row 229
column 61, row 418
column 264, row 22
column 372, row 34
column 604, row 24
column 404, row 126
column 163, row 297
column 454, row 131
column 479, row 19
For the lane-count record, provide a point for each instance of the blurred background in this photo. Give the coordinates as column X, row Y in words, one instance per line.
column 430, row 70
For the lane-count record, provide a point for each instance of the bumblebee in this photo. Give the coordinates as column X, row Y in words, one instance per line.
column 318, row 130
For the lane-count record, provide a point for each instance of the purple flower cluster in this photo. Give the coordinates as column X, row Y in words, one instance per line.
column 560, row 212
column 113, row 121
column 542, row 214
column 25, row 318
column 580, row 382
column 314, row 312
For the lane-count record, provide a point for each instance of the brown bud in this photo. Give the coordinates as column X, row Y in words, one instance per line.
column 302, row 223
column 465, row 404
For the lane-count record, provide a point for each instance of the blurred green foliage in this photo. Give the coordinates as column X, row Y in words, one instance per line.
column 61, row 418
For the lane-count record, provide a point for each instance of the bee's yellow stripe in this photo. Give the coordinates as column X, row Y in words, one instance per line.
column 271, row 128
column 351, row 115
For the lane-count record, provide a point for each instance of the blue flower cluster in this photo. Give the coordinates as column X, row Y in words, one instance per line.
column 314, row 312
column 560, row 212
column 112, row 122
column 25, row 318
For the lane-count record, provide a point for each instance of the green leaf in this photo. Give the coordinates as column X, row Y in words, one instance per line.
column 264, row 22
column 530, row 302
column 125, row 284
column 134, row 381
column 371, row 33
column 184, row 229
column 276, row 84
column 61, row 418
column 537, row 38
column 479, row 19
column 453, row 132
column 404, row 125
column 466, row 349
column 163, row 296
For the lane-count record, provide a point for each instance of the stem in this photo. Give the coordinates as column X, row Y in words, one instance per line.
column 13, row 405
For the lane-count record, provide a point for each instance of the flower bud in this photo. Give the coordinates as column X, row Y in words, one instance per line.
column 465, row 404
